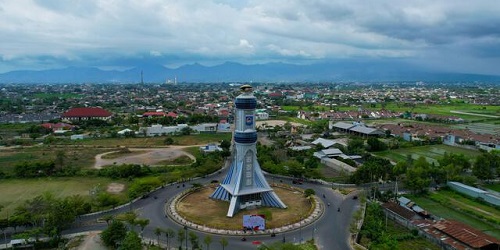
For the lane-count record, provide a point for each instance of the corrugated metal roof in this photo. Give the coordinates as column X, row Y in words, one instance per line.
column 343, row 125
column 324, row 142
column 365, row 130
column 332, row 151
column 466, row 234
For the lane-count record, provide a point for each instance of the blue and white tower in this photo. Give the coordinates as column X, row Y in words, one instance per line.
column 245, row 185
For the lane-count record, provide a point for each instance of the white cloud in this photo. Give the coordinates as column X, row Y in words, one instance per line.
column 220, row 30
column 155, row 53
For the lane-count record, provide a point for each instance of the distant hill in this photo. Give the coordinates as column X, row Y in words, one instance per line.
column 236, row 72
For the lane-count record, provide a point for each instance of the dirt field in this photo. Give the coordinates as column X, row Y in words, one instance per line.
column 115, row 188
column 197, row 207
column 275, row 122
column 148, row 157
column 91, row 241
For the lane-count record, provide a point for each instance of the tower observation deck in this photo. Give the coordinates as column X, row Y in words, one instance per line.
column 245, row 185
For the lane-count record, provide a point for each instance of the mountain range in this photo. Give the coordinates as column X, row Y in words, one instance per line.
column 236, row 72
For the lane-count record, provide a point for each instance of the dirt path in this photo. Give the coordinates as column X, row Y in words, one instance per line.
column 92, row 242
column 469, row 113
column 150, row 156
column 459, row 203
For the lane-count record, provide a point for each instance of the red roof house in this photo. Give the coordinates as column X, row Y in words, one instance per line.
column 172, row 114
column 86, row 114
column 57, row 126
column 151, row 114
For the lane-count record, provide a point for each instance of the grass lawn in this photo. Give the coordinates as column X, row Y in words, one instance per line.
column 197, row 207
column 74, row 156
column 456, row 200
column 295, row 120
column 442, row 211
column 16, row 192
column 431, row 152
column 142, row 142
column 494, row 186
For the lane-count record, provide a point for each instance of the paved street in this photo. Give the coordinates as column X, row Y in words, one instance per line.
column 330, row 231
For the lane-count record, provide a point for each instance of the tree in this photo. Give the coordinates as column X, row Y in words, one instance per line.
column 374, row 144
column 454, row 164
column 60, row 159
column 169, row 234
column 418, row 176
column 207, row 240
column 186, row 131
column 309, row 192
column 131, row 242
column 223, row 242
column 486, row 165
column 158, row 232
column 114, row 234
column 130, row 218
column 355, row 146
column 108, row 218
column 193, row 238
column 181, row 235
column 225, row 144
column 142, row 223
column 168, row 141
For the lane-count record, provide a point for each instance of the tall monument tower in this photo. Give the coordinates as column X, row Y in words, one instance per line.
column 245, row 185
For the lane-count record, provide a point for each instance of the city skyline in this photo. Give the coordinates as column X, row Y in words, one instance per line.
column 459, row 37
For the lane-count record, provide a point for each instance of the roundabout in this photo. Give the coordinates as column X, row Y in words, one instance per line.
column 193, row 208
column 328, row 227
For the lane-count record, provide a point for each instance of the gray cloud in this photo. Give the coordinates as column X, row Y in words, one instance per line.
column 103, row 32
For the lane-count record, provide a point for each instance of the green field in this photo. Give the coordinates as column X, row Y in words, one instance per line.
column 15, row 192
column 452, row 212
column 80, row 157
column 494, row 186
column 480, row 128
column 197, row 139
column 431, row 152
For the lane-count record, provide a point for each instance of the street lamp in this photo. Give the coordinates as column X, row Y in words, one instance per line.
column 314, row 230
column 186, row 228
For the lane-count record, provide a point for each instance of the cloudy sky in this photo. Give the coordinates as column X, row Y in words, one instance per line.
column 452, row 35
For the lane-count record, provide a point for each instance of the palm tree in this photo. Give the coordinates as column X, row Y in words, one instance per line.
column 158, row 232
column 180, row 236
column 223, row 242
column 169, row 233
column 108, row 218
column 207, row 240
column 142, row 223
column 193, row 238
column 131, row 218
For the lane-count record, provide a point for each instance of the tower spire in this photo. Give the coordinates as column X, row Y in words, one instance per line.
column 245, row 185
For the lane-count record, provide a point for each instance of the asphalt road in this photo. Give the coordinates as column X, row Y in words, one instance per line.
column 331, row 231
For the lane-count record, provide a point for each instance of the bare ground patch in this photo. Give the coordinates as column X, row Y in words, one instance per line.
column 147, row 157
column 115, row 188
column 198, row 208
